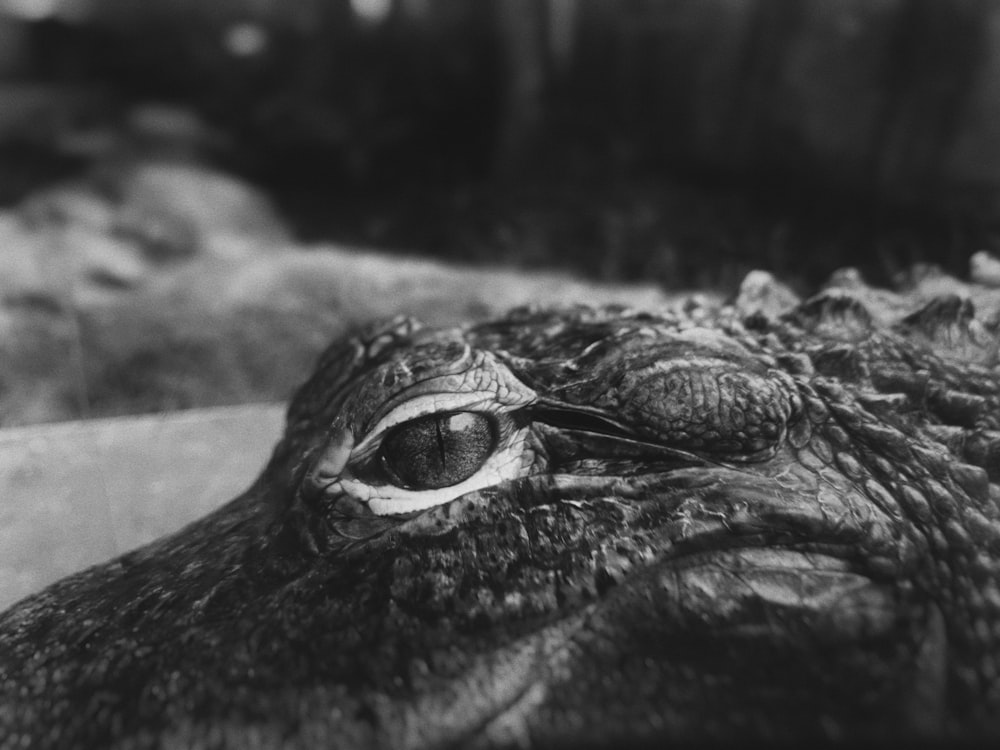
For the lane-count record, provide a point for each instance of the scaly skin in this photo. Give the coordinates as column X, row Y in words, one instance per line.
column 692, row 524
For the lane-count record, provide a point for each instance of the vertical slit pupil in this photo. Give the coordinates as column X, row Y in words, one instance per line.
column 442, row 451
column 438, row 450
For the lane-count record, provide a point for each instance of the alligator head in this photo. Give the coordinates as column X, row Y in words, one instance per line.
column 575, row 525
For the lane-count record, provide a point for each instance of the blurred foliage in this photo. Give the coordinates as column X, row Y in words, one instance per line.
column 682, row 141
column 185, row 184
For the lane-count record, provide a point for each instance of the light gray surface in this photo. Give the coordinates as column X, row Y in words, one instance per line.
column 77, row 493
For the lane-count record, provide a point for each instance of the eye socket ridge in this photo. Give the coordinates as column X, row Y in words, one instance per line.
column 438, row 450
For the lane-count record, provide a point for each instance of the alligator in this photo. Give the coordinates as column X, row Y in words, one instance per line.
column 774, row 519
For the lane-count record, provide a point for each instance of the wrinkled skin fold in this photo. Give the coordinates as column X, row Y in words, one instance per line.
column 565, row 526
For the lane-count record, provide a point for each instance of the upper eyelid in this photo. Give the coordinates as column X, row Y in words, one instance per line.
column 421, row 406
column 484, row 378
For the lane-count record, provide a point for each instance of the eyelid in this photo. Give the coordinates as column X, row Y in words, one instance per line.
column 508, row 461
column 421, row 406
column 485, row 384
column 486, row 387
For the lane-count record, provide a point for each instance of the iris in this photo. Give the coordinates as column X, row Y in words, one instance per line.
column 438, row 450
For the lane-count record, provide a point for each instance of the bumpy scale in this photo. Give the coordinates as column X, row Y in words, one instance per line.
column 774, row 519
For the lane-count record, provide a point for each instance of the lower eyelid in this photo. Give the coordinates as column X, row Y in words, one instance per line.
column 510, row 460
column 427, row 405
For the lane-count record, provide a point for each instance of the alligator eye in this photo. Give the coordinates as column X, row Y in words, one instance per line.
column 438, row 450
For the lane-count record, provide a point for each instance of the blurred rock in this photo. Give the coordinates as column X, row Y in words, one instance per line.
column 183, row 290
column 366, row 283
column 208, row 202
column 984, row 269
column 89, row 240
column 153, row 285
column 221, row 331
column 761, row 293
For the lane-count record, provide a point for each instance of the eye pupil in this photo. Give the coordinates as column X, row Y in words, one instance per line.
column 438, row 450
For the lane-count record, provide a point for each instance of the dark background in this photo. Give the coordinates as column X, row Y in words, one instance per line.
column 682, row 142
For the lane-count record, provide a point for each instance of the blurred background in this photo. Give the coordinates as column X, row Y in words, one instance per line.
column 195, row 196
column 630, row 138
